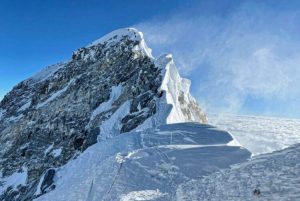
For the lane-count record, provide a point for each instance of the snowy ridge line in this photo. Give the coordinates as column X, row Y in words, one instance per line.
column 177, row 94
column 106, row 166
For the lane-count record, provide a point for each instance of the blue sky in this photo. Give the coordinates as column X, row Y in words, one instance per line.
column 242, row 56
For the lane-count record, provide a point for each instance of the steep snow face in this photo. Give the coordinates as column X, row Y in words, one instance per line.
column 184, row 106
column 148, row 164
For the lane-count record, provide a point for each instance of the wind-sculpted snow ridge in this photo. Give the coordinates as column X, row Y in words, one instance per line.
column 146, row 165
column 110, row 87
column 274, row 176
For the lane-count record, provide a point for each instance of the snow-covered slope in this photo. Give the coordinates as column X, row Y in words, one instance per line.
column 275, row 175
column 146, row 165
column 260, row 134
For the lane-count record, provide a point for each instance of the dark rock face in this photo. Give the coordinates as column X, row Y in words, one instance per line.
column 55, row 110
column 47, row 183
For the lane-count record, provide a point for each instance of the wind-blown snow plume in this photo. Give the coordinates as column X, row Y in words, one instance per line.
column 245, row 57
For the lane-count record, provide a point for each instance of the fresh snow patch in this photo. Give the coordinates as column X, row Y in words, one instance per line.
column 116, row 91
column 14, row 118
column 111, row 126
column 56, row 152
column 38, row 188
column 14, row 180
column 119, row 158
column 48, row 149
column 25, row 106
column 143, row 195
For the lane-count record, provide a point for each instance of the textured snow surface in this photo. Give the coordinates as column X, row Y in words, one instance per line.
column 14, row 180
column 260, row 134
column 145, row 165
column 276, row 175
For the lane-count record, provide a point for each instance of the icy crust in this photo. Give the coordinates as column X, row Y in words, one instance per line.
column 149, row 164
column 184, row 107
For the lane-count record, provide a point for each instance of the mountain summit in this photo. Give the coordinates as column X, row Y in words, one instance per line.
column 109, row 87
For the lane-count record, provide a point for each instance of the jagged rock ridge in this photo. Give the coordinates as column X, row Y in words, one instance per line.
column 111, row 86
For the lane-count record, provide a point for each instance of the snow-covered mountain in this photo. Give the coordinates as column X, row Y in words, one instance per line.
column 115, row 123
column 111, row 86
